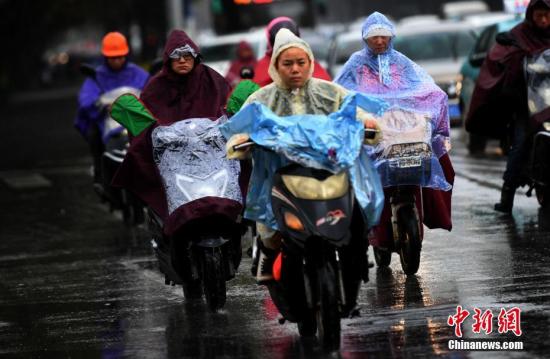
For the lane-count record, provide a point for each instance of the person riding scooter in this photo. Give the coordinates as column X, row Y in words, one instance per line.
column 293, row 91
column 115, row 72
column 380, row 71
column 176, row 167
column 499, row 105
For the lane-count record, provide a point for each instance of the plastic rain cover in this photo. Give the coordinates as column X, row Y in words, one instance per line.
column 404, row 156
column 190, row 156
column 538, row 82
column 332, row 142
column 400, row 82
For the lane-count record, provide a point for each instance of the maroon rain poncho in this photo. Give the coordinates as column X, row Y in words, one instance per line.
column 245, row 58
column 171, row 97
column 501, row 90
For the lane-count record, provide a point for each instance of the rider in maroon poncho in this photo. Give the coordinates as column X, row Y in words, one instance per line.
column 184, row 88
column 499, row 100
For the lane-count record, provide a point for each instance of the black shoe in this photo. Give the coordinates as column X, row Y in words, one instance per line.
column 262, row 262
column 506, row 199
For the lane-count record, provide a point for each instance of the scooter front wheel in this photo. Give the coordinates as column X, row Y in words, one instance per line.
column 410, row 243
column 213, row 278
column 328, row 314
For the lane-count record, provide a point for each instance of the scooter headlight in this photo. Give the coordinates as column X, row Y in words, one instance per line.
column 546, row 126
column 309, row 188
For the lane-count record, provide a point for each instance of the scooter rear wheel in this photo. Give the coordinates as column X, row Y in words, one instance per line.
column 410, row 243
column 213, row 278
column 382, row 257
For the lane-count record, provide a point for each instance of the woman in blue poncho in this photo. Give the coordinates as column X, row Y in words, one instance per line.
column 380, row 71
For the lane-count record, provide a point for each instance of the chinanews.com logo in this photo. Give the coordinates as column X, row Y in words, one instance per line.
column 507, row 320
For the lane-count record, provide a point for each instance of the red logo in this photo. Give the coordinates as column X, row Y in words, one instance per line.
column 508, row 321
column 331, row 218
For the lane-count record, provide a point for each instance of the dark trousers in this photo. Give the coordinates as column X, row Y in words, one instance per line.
column 518, row 157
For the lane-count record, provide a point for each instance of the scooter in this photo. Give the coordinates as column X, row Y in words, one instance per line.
column 115, row 142
column 405, row 158
column 198, row 245
column 319, row 270
column 537, row 70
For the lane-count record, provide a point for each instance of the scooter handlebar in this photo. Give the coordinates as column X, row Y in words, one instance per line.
column 244, row 145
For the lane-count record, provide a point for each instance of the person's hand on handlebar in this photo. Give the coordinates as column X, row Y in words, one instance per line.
column 373, row 133
column 235, row 141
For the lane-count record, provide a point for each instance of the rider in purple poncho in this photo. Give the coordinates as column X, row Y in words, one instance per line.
column 115, row 72
column 380, row 71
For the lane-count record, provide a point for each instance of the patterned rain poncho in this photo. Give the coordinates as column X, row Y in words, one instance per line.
column 399, row 81
column 405, row 86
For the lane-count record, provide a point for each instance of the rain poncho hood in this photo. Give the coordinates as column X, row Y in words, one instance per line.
column 284, row 40
column 333, row 143
column 233, row 75
column 199, row 94
column 261, row 70
column 376, row 23
column 399, row 81
column 107, row 79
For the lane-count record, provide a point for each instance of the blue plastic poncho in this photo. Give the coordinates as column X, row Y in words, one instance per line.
column 396, row 79
column 88, row 112
column 333, row 143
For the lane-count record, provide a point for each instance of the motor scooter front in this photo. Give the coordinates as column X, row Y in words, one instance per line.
column 318, row 275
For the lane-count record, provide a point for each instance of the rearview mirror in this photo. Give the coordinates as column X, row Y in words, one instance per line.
column 476, row 60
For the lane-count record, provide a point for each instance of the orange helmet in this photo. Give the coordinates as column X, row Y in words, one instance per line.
column 114, row 44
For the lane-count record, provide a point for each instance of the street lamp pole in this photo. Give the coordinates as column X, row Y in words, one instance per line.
column 174, row 14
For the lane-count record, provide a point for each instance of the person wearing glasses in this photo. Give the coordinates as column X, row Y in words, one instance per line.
column 184, row 88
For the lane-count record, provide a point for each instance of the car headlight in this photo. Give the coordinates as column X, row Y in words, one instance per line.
column 452, row 87
column 309, row 188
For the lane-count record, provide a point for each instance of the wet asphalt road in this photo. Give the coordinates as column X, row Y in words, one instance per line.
column 75, row 283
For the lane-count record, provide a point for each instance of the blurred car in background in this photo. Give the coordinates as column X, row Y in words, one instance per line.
column 62, row 59
column 469, row 73
column 457, row 10
column 439, row 47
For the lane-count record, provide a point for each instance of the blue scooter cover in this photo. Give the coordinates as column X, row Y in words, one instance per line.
column 333, row 143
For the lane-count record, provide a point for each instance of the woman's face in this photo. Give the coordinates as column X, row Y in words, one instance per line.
column 183, row 65
column 293, row 66
column 541, row 18
column 378, row 44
